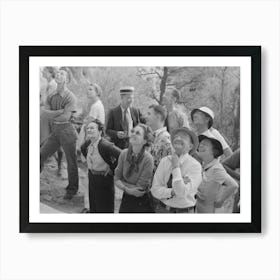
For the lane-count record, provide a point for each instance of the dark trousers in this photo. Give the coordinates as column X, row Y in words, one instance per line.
column 132, row 204
column 58, row 155
column 63, row 135
column 101, row 193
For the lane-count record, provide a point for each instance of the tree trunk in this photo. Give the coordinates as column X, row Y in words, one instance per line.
column 236, row 122
column 162, row 86
column 222, row 97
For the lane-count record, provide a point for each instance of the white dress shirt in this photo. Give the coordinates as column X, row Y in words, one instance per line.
column 129, row 119
column 184, row 193
column 94, row 159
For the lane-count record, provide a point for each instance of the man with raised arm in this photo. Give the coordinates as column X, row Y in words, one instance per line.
column 60, row 106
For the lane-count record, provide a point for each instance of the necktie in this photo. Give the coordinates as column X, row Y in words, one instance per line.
column 169, row 183
column 125, row 120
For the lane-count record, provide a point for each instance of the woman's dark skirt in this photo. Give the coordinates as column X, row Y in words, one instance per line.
column 132, row 204
column 101, row 193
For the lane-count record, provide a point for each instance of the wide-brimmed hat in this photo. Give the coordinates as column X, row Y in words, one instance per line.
column 207, row 111
column 126, row 90
column 215, row 143
column 186, row 130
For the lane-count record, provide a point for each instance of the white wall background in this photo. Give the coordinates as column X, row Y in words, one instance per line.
column 139, row 256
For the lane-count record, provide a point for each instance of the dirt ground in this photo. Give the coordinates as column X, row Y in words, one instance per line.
column 52, row 189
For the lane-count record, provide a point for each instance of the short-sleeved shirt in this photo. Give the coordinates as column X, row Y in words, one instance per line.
column 213, row 177
column 214, row 133
column 66, row 102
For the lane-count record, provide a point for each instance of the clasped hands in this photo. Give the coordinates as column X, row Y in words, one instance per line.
column 175, row 164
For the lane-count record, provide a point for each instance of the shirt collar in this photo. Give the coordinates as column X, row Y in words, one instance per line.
column 160, row 130
column 128, row 110
column 210, row 164
column 207, row 132
column 95, row 144
column 182, row 158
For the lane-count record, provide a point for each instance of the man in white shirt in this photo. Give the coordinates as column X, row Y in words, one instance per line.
column 203, row 118
column 178, row 175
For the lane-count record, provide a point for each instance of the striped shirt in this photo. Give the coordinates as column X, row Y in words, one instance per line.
column 67, row 101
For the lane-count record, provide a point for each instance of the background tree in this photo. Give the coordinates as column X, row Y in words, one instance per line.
column 215, row 87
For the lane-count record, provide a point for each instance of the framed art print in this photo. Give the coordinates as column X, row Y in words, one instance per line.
column 140, row 138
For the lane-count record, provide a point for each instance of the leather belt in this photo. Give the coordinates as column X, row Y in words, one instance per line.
column 60, row 122
column 100, row 173
column 171, row 209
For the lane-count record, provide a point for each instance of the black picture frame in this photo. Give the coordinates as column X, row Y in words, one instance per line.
column 254, row 52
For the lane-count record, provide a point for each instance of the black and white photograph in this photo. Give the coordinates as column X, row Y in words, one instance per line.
column 140, row 139
column 147, row 135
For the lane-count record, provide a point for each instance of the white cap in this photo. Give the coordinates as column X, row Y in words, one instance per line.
column 207, row 111
column 126, row 90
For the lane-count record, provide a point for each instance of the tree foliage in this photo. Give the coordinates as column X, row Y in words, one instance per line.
column 214, row 87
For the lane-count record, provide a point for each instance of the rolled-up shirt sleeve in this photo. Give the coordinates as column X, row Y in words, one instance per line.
column 180, row 188
column 159, row 187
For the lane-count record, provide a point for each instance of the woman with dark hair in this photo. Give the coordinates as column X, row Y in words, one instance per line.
column 134, row 172
column 216, row 192
column 102, row 157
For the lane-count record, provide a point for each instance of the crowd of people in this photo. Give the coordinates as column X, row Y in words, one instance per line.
column 161, row 164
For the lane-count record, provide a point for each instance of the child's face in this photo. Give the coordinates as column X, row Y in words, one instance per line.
column 205, row 150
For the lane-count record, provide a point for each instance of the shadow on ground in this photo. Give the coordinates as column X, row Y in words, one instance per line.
column 52, row 190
